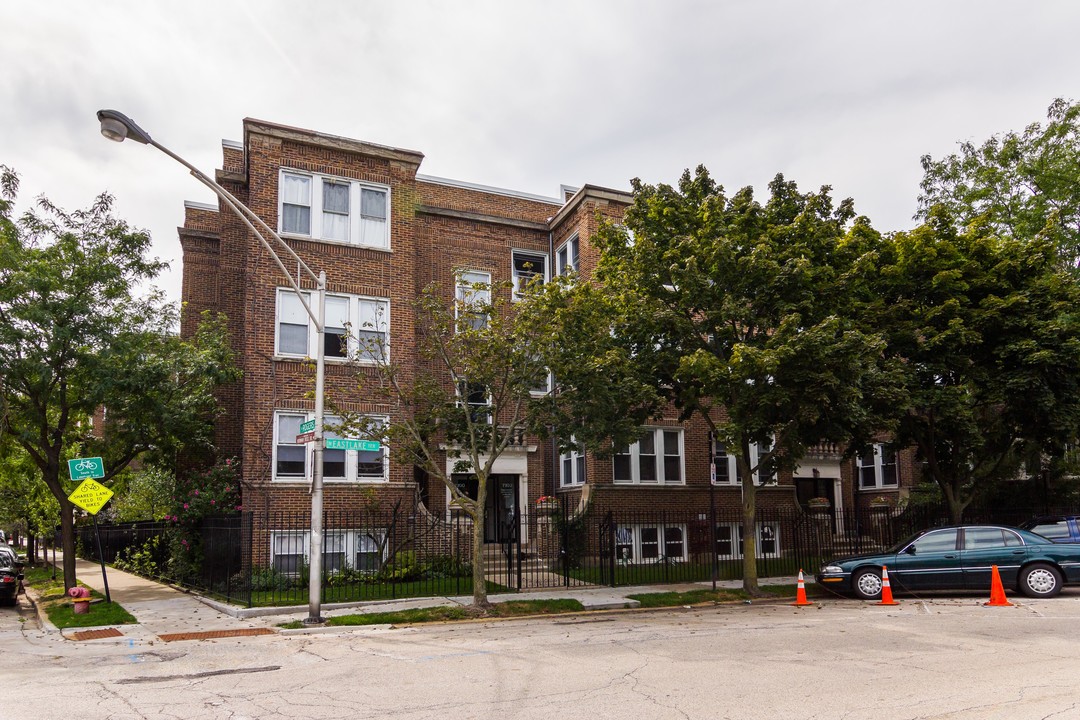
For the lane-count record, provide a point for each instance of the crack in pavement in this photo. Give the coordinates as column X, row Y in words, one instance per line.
column 196, row 676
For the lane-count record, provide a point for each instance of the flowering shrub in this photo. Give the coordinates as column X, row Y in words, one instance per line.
column 211, row 493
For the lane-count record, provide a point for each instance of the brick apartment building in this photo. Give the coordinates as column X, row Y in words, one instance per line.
column 382, row 232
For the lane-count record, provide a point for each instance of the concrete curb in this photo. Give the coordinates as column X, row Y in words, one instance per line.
column 39, row 611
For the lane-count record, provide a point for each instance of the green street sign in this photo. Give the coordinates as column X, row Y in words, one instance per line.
column 308, row 426
column 80, row 468
column 349, row 444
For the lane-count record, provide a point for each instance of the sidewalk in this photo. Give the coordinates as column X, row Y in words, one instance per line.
column 166, row 613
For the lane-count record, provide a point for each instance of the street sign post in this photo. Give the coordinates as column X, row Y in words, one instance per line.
column 91, row 497
column 350, row 444
column 80, row 468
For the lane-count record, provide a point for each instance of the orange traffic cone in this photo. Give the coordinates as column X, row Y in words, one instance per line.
column 886, row 589
column 800, row 593
column 997, row 592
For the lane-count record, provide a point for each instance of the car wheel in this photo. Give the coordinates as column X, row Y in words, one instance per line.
column 867, row 584
column 1040, row 581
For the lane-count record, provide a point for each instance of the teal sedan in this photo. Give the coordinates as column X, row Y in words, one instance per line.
column 960, row 558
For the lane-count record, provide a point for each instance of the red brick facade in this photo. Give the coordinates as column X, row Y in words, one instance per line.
column 436, row 227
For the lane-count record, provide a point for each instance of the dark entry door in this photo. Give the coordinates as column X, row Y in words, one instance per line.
column 503, row 509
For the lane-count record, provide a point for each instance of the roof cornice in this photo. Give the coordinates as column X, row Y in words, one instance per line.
column 332, row 142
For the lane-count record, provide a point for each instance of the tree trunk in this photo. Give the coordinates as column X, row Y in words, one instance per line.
column 480, row 598
column 749, row 544
column 67, row 537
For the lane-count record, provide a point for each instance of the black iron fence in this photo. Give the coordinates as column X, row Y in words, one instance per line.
column 396, row 552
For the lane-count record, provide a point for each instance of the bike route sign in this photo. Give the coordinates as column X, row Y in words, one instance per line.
column 86, row 468
column 91, row 496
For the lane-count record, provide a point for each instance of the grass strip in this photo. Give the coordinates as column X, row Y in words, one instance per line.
column 513, row 608
column 689, row 597
column 59, row 608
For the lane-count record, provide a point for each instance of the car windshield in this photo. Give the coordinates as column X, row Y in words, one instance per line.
column 905, row 542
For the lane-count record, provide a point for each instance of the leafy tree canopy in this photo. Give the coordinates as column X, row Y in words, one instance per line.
column 1023, row 184
column 75, row 337
column 987, row 335
column 742, row 311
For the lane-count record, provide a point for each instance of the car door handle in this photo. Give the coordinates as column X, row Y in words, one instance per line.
column 1017, row 552
column 950, row 557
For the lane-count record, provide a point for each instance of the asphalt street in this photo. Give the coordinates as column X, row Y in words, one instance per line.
column 946, row 657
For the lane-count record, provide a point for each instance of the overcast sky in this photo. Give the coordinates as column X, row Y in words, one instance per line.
column 527, row 95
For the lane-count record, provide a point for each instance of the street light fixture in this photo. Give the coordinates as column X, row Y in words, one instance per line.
column 118, row 127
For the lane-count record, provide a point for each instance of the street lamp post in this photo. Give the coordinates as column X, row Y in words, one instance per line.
column 119, row 127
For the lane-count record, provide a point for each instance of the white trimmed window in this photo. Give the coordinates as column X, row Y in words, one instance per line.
column 363, row 550
column 729, row 539
column 650, row 543
column 727, row 468
column 526, row 266
column 356, row 326
column 473, row 293
column 566, row 257
column 293, row 460
column 655, row 459
column 336, row 209
column 877, row 467
column 572, row 468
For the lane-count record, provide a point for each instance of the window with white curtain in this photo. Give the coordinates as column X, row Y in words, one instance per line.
column 362, row 550
column 655, row 459
column 367, row 318
column 650, row 543
column 729, row 539
column 335, row 209
column 295, row 204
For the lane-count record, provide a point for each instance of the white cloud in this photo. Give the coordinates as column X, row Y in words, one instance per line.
column 527, row 95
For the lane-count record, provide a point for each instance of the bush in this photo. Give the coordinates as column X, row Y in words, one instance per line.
column 265, row 578
column 148, row 559
column 446, row 566
column 402, row 567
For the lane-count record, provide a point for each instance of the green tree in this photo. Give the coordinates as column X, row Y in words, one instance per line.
column 742, row 312
column 25, row 503
column 143, row 494
column 74, row 338
column 988, row 342
column 1024, row 185
column 482, row 387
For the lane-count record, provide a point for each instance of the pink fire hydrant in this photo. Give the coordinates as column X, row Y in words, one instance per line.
column 81, row 597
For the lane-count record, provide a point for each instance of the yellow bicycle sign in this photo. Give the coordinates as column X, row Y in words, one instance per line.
column 91, row 496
